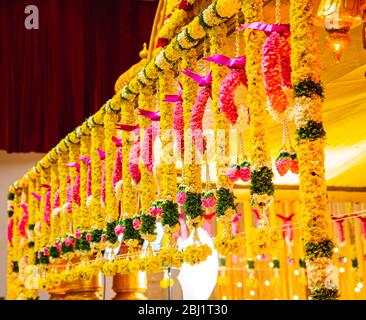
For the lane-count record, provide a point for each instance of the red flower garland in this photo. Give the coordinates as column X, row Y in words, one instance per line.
column 198, row 112
column 233, row 80
column 134, row 162
column 276, row 68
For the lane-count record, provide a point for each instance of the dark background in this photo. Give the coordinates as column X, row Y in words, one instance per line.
column 51, row 79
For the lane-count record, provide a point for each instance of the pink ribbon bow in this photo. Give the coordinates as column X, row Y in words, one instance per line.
column 232, row 63
column 36, row 196
column 101, row 154
column 267, row 28
column 340, row 230
column 117, row 142
column 287, row 230
column 129, row 128
column 86, row 160
column 154, row 116
column 73, row 165
column 202, row 81
column 175, row 97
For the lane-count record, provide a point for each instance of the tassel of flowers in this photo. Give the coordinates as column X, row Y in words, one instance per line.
column 262, row 189
column 74, row 169
column 97, row 143
column 147, row 226
column 55, row 204
column 111, row 118
column 63, row 158
column 226, row 243
column 85, row 143
column 310, row 134
column 45, row 206
column 167, row 208
column 32, row 207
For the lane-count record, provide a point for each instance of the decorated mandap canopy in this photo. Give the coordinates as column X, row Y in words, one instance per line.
column 220, row 130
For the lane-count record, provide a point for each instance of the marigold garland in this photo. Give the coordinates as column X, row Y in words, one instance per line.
column 128, row 117
column 305, row 61
column 110, row 120
column 84, row 134
column 97, row 142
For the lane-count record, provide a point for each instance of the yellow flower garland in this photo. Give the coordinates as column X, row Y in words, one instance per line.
column 74, row 154
column 45, row 229
column 37, row 212
column 110, row 120
column 260, row 157
column 145, row 102
column 217, row 46
column 85, row 143
column 192, row 170
column 32, row 209
column 97, row 142
column 305, row 62
column 55, row 231
column 63, row 159
column 168, row 170
column 128, row 117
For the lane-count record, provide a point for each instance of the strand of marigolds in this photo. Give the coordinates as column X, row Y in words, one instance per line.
column 63, row 159
column 55, row 231
column 130, row 197
column 97, row 143
column 74, row 169
column 32, row 207
column 226, row 243
column 85, row 144
column 148, row 188
column 111, row 118
column 262, row 189
column 305, row 61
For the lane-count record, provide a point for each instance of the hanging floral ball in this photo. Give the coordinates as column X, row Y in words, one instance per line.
column 283, row 163
column 245, row 172
column 136, row 224
column 118, row 230
column 181, row 197
column 294, row 164
column 233, row 173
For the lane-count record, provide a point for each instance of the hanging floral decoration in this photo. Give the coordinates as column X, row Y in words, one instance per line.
column 204, row 82
column 134, row 162
column 236, row 77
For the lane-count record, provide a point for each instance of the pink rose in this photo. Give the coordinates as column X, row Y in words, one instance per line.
column 208, row 202
column 245, row 174
column 46, row 251
column 88, row 237
column 156, row 211
column 102, row 238
column 78, row 234
column 58, row 245
column 119, row 230
column 181, row 197
column 68, row 242
column 136, row 224
column 233, row 174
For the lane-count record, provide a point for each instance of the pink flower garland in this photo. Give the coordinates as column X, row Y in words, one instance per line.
column 68, row 196
column 76, row 190
column 87, row 161
column 103, row 191
column 117, row 173
column 23, row 221
column 47, row 207
column 198, row 112
column 134, row 162
column 179, row 125
column 233, row 80
column 10, row 230
column 56, row 199
column 276, row 68
column 147, row 147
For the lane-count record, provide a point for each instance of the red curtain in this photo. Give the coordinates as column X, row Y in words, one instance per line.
column 53, row 78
